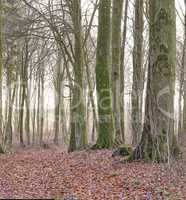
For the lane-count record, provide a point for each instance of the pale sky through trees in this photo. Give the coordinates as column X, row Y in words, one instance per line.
column 49, row 93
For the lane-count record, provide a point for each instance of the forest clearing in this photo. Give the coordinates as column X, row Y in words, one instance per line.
column 93, row 99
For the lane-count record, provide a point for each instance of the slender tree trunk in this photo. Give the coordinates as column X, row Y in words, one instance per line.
column 158, row 140
column 122, row 69
column 41, row 99
column 8, row 129
column 27, row 95
column 38, row 137
column 92, row 100
column 1, row 70
column 21, row 115
column 33, row 122
column 27, row 121
column 22, row 99
column 78, row 111
column 57, row 98
column 137, row 88
column 116, row 62
column 183, row 85
column 103, row 85
column 11, row 65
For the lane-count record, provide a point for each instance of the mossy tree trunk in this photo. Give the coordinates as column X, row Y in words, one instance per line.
column 117, row 11
column 78, row 123
column 158, row 140
column 103, row 86
column 137, row 87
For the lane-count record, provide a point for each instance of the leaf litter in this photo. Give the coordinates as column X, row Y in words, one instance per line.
column 93, row 175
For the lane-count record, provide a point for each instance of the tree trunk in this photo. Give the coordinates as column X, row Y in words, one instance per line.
column 21, row 114
column 116, row 62
column 57, row 98
column 103, row 85
column 137, row 88
column 78, row 112
column 10, row 68
column 183, row 85
column 122, row 67
column 1, row 70
column 41, row 99
column 8, row 128
column 158, row 141
column 38, row 134
column 27, row 121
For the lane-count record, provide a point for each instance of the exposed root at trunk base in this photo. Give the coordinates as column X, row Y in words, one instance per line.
column 98, row 146
column 155, row 149
column 122, row 150
column 117, row 143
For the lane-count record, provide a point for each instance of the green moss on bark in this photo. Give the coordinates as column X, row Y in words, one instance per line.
column 158, row 141
column 103, row 86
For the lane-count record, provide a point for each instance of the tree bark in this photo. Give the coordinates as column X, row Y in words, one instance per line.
column 183, row 85
column 137, row 86
column 57, row 98
column 117, row 11
column 103, row 85
column 122, row 69
column 78, row 112
column 1, row 70
column 158, row 140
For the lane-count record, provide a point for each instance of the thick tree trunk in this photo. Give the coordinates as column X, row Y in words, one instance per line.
column 137, row 88
column 158, row 140
column 116, row 62
column 103, row 86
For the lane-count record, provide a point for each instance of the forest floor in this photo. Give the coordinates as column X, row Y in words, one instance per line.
column 87, row 175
